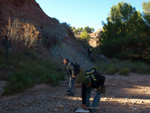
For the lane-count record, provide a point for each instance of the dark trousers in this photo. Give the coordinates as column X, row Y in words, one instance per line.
column 89, row 54
column 95, row 101
column 71, row 84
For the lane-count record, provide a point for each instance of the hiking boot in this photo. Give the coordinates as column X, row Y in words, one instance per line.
column 70, row 94
column 90, row 110
column 68, row 90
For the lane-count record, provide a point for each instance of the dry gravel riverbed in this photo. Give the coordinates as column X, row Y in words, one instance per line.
column 123, row 95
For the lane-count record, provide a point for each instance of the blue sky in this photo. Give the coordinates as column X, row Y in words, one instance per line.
column 81, row 13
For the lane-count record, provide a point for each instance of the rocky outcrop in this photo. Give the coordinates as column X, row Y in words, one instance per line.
column 95, row 36
column 23, row 21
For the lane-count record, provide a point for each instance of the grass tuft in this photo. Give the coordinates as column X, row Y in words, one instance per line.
column 124, row 71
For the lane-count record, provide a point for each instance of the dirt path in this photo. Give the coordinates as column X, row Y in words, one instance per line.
column 124, row 95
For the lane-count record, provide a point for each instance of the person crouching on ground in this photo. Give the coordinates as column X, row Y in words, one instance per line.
column 95, row 81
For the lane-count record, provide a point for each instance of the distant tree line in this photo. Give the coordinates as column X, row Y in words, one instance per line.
column 87, row 29
column 82, row 32
column 126, row 35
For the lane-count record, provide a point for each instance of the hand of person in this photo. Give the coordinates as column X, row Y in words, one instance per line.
column 73, row 76
column 99, row 88
column 84, row 107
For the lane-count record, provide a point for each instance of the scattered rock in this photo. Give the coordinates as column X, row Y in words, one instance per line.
column 43, row 99
column 61, row 106
column 56, row 109
column 135, row 109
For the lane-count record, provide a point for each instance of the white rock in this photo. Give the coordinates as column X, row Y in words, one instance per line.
column 135, row 109
column 56, row 109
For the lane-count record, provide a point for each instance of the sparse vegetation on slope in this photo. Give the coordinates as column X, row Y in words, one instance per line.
column 27, row 70
column 123, row 67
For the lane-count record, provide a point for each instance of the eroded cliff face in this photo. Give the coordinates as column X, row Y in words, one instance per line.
column 95, row 36
column 23, row 21
column 27, row 10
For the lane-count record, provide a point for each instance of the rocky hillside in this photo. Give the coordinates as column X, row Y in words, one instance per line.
column 24, row 22
column 95, row 36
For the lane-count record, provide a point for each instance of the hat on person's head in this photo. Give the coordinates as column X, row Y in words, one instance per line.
column 87, row 81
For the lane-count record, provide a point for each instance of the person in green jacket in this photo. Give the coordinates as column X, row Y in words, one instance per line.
column 71, row 71
column 90, row 50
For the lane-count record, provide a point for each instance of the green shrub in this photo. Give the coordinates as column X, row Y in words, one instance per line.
column 114, row 60
column 2, row 63
column 140, row 67
column 137, row 67
column 112, row 68
column 126, row 66
column 30, row 71
column 127, row 63
column 84, row 35
column 102, row 67
column 124, row 71
column 80, row 77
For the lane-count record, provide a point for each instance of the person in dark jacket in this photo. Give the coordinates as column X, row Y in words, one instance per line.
column 71, row 73
column 90, row 52
column 95, row 81
column 5, row 46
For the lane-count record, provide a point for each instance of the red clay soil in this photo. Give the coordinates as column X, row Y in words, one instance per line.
column 23, row 9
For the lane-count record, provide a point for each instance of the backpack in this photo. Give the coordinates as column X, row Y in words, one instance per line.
column 91, row 73
column 77, row 67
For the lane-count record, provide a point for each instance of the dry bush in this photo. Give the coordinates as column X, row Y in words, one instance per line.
column 25, row 32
